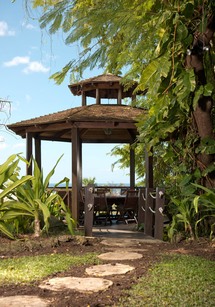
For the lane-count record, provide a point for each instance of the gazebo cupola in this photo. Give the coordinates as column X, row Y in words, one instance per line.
column 107, row 86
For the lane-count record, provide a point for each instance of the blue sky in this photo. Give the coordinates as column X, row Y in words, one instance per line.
column 28, row 57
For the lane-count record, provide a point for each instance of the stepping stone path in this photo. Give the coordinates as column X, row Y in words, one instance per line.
column 24, row 301
column 95, row 284
column 77, row 283
column 120, row 255
column 108, row 269
column 86, row 284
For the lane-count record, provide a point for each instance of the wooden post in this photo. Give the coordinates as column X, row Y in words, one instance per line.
column 119, row 98
column 76, row 165
column 29, row 147
column 97, row 96
column 160, row 200
column 38, row 152
column 84, row 99
column 141, row 207
column 89, row 210
column 149, row 218
column 133, row 98
column 132, row 167
column 149, row 169
column 149, row 215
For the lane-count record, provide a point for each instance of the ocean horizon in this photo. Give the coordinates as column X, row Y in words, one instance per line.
column 63, row 185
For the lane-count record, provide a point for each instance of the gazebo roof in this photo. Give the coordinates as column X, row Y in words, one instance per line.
column 102, row 123
column 108, row 85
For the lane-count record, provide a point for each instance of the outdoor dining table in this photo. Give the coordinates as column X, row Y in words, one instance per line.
column 114, row 202
column 115, row 199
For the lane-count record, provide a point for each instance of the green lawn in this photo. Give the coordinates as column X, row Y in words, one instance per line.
column 32, row 268
column 176, row 281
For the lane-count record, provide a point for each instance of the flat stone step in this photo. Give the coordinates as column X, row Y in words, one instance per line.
column 120, row 256
column 24, row 301
column 88, row 284
column 108, row 269
column 121, row 243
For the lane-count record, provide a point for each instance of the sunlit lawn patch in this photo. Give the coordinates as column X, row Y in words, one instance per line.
column 176, row 281
column 32, row 268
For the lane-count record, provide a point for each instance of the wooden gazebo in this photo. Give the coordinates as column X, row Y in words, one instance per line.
column 89, row 123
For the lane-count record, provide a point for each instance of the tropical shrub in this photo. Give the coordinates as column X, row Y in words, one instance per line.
column 193, row 215
column 29, row 201
column 9, row 181
column 184, row 217
column 205, row 205
column 36, row 200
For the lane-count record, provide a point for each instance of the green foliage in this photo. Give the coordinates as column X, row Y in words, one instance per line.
column 176, row 281
column 205, row 204
column 28, row 200
column 184, row 217
column 90, row 180
column 149, row 41
column 36, row 200
column 193, row 215
column 9, row 182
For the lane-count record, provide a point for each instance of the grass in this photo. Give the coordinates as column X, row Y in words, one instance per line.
column 32, row 268
column 176, row 281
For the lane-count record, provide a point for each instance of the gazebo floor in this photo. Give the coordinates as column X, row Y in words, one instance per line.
column 120, row 230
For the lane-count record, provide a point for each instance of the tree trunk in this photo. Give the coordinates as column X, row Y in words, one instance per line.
column 202, row 114
column 204, row 124
column 36, row 227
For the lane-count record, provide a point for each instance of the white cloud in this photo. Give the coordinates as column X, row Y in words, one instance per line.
column 35, row 67
column 32, row 66
column 17, row 61
column 4, row 29
column 28, row 26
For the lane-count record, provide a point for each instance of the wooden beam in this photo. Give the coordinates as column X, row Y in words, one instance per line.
column 132, row 133
column 103, row 86
column 112, row 125
column 51, row 127
column 65, row 126
column 61, row 133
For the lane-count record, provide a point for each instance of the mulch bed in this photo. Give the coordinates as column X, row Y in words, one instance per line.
column 78, row 246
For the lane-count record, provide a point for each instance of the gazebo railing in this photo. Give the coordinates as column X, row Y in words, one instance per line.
column 150, row 211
